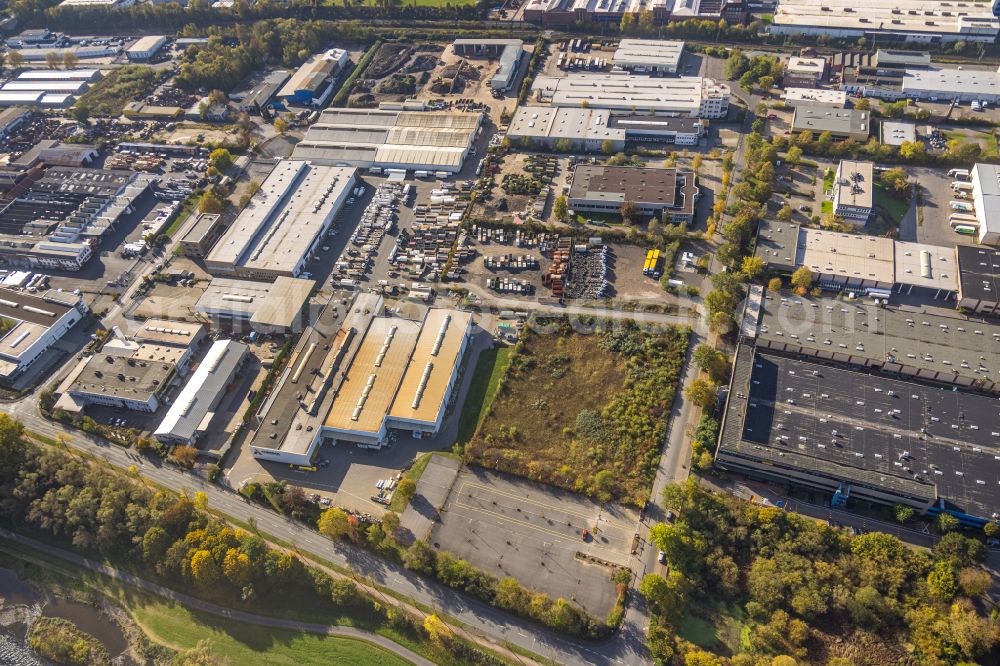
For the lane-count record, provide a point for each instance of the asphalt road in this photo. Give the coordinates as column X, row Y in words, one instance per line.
column 221, row 611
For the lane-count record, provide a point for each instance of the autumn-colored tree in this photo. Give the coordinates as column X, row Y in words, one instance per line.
column 236, row 567
column 437, row 630
column 204, row 569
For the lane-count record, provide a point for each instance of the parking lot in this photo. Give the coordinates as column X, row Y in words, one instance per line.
column 931, row 224
column 514, row 527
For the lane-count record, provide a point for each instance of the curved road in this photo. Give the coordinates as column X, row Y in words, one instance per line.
column 221, row 611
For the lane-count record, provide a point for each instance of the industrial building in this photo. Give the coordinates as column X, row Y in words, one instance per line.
column 146, row 48
column 853, row 191
column 199, row 238
column 264, row 307
column 51, row 152
column 691, row 96
column 261, row 95
column 104, row 4
column 858, row 263
column 312, row 81
column 32, row 325
column 866, row 434
column 916, row 21
column 648, row 56
column 804, row 72
column 436, row 141
column 567, row 13
column 898, row 133
column 978, row 279
column 510, row 53
column 36, row 99
column 12, row 118
column 121, row 382
column 589, row 129
column 285, row 222
column 986, row 198
column 190, row 415
column 603, row 189
column 55, row 221
column 840, row 123
column 963, row 85
column 88, row 75
column 374, row 374
column 836, row 99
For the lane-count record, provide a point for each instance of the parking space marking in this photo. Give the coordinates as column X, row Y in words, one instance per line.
column 516, row 522
column 544, row 505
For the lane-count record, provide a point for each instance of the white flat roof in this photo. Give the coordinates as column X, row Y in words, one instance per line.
column 621, row 91
column 856, row 183
column 46, row 86
column 564, row 122
column 198, row 398
column 928, row 266
column 295, row 203
column 986, row 187
column 58, row 75
column 916, row 16
column 816, row 96
column 896, row 133
column 952, row 81
column 799, row 65
column 648, row 52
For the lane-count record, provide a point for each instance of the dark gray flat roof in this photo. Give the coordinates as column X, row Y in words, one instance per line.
column 943, row 348
column 979, row 273
column 864, row 428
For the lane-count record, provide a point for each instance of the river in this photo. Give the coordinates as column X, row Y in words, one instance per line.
column 21, row 603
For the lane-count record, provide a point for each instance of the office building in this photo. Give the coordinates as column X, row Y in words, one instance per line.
column 32, row 325
column 510, row 53
column 312, row 81
column 804, row 72
column 840, row 123
column 190, row 416
column 198, row 240
column 435, row 141
column 986, row 199
column 284, row 224
column 691, row 96
column 656, row 192
column 836, row 99
column 648, row 56
column 853, row 191
column 912, row 21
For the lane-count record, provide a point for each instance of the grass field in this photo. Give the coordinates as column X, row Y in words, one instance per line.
column 182, row 629
column 490, row 367
column 896, row 208
column 985, row 138
column 583, row 411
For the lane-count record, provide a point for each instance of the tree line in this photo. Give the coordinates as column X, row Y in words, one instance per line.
column 173, row 539
column 811, row 593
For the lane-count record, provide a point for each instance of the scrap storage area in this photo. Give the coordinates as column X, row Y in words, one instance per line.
column 579, row 270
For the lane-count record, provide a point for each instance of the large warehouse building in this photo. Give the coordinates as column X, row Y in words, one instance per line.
column 648, row 56
column 264, row 307
column 190, row 415
column 691, row 96
column 510, row 53
column 32, row 325
column 604, row 189
column 285, row 222
column 375, row 374
column 312, row 81
column 986, row 199
column 411, row 140
column 862, row 435
column 860, row 263
column 946, row 85
column 589, row 129
column 919, row 21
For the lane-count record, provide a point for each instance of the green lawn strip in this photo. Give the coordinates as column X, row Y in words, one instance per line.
column 826, row 207
column 182, row 215
column 414, row 473
column 45, row 568
column 490, row 368
column 180, row 628
column 828, row 179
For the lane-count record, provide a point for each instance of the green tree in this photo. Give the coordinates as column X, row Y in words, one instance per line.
column 711, row 360
column 210, row 202
column 794, row 156
column 563, row 146
column 912, row 150
column 774, row 284
column 802, row 278
column 941, row 581
column 703, row 393
column 722, row 323
column 903, row 513
column 334, row 523
column 14, row 59
column 560, row 208
column 947, row 522
column 628, row 211
column 406, row 488
column 608, row 147
column 785, row 213
column 221, row 159
column 204, row 569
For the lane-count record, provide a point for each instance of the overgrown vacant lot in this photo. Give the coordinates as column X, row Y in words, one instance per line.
column 586, row 412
